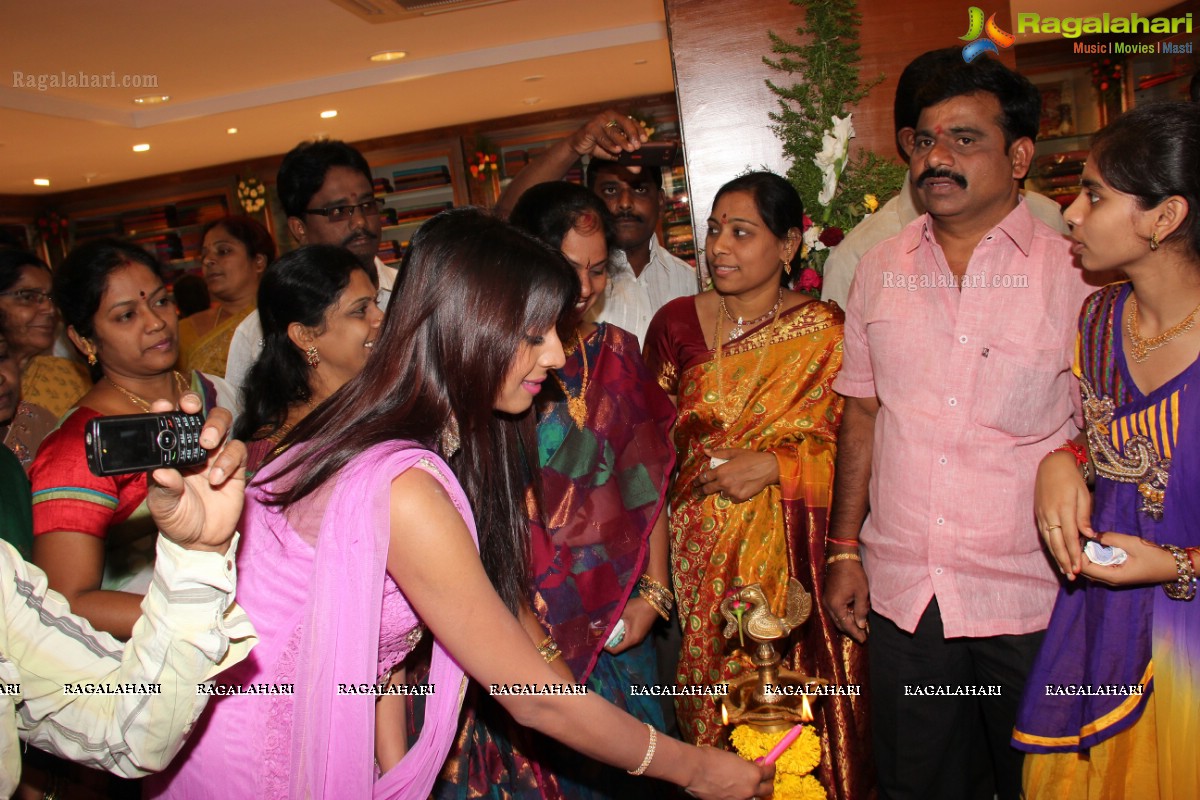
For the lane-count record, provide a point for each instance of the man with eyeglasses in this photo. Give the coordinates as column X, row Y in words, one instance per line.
column 326, row 192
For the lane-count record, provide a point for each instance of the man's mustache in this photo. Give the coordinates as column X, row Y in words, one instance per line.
column 941, row 172
column 354, row 237
column 630, row 216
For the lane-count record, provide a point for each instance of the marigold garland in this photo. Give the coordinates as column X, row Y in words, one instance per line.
column 792, row 778
column 799, row 787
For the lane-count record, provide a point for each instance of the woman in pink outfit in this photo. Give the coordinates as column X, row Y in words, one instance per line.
column 359, row 540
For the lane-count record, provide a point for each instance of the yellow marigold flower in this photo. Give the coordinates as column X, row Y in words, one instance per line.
column 803, row 756
column 798, row 787
column 799, row 759
column 871, row 202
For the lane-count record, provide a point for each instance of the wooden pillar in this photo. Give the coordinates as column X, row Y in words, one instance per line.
column 717, row 48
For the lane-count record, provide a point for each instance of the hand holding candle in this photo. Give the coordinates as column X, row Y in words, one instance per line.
column 784, row 744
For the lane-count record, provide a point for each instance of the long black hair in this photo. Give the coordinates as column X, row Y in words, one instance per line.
column 300, row 287
column 472, row 290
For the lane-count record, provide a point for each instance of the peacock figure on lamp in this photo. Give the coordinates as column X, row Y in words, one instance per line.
column 772, row 698
column 769, row 708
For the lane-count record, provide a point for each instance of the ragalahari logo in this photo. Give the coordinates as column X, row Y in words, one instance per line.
column 993, row 35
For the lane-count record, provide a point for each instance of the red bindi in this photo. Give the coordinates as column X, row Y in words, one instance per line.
column 937, row 129
column 723, row 218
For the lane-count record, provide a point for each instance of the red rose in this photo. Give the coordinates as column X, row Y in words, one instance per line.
column 831, row 236
column 807, row 223
column 810, row 280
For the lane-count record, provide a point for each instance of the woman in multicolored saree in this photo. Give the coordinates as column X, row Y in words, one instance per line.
column 751, row 365
column 1119, row 716
column 598, row 546
column 234, row 252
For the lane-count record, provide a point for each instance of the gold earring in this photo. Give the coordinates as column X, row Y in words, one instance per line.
column 91, row 352
column 787, row 266
column 1154, row 243
column 312, row 356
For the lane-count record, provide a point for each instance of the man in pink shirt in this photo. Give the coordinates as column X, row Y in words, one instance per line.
column 960, row 336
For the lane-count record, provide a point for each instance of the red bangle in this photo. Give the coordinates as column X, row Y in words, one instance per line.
column 842, row 542
column 1079, row 451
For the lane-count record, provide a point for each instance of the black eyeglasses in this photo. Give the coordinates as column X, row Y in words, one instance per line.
column 368, row 208
column 29, row 297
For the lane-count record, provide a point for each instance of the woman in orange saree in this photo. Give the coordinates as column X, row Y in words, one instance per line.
column 756, row 440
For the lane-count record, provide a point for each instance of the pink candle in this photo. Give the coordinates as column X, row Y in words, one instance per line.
column 784, row 744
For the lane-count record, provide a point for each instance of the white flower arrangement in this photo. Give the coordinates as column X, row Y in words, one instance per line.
column 835, row 146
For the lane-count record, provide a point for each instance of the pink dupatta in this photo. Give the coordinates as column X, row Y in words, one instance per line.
column 333, row 736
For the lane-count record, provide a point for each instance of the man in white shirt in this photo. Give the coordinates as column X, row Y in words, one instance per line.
column 643, row 275
column 128, row 707
column 326, row 191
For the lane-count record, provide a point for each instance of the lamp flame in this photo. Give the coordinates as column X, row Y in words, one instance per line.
column 724, row 715
column 805, row 709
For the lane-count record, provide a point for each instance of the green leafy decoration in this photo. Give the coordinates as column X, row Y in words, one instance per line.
column 825, row 62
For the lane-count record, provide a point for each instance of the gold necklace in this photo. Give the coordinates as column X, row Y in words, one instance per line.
column 1141, row 348
column 722, row 411
column 141, row 402
column 576, row 404
column 739, row 324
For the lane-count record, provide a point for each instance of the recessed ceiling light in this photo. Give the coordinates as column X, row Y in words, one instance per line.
column 231, row 131
column 388, row 55
column 328, row 114
column 532, row 78
column 41, row 181
column 151, row 99
column 531, row 101
column 141, row 148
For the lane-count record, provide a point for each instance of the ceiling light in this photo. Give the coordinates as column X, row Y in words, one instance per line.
column 388, row 55
column 41, row 181
column 141, row 148
column 151, row 99
column 532, row 78
column 328, row 114
column 531, row 101
column 231, row 131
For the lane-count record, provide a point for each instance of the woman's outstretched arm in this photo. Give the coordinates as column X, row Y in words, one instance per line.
column 434, row 561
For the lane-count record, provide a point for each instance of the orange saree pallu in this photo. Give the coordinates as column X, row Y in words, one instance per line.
column 769, row 391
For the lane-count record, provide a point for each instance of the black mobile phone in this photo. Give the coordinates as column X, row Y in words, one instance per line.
column 128, row 443
column 651, row 154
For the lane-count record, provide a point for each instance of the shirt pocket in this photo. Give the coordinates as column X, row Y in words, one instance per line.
column 1023, row 390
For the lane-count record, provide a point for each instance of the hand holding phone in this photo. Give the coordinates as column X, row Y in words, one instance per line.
column 650, row 154
column 119, row 445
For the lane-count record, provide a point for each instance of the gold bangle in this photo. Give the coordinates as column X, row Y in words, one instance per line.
column 650, row 583
column 657, row 595
column 1184, row 586
column 656, row 604
column 843, row 557
column 649, row 752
